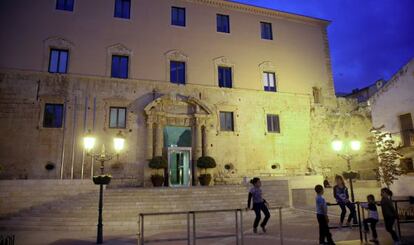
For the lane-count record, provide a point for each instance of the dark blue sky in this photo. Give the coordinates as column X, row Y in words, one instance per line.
column 369, row 39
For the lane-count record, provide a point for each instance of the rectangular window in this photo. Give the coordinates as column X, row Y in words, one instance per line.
column 223, row 23
column 407, row 164
column 58, row 61
column 177, row 72
column 122, row 9
column 226, row 121
column 53, row 116
column 66, row 5
column 273, row 125
column 406, row 122
column 119, row 67
column 225, row 77
column 266, row 29
column 317, row 95
column 269, row 81
column 177, row 16
column 117, row 117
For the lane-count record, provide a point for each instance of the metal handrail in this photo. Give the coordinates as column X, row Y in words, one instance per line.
column 7, row 239
column 361, row 213
column 359, row 221
column 238, row 228
column 399, row 222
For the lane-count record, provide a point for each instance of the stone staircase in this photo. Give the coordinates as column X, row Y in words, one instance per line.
column 122, row 206
column 17, row 195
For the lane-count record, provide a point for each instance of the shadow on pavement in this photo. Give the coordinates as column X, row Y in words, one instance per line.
column 109, row 240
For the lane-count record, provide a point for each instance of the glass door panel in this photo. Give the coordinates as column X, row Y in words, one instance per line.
column 179, row 168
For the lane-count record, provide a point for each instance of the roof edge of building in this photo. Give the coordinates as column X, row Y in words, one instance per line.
column 265, row 11
column 394, row 77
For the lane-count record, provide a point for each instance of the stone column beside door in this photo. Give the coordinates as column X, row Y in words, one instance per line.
column 198, row 139
column 150, row 140
column 159, row 142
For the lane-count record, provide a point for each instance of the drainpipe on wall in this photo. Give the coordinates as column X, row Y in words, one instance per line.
column 73, row 136
column 62, row 158
column 93, row 130
column 85, row 116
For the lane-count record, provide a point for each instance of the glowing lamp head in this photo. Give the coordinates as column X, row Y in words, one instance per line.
column 337, row 145
column 88, row 142
column 119, row 142
column 355, row 145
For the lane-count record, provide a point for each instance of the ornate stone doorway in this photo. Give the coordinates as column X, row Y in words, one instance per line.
column 177, row 111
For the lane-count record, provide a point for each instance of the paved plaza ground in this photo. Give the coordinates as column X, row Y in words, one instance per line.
column 299, row 228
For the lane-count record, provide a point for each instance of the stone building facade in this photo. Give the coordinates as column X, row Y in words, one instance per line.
column 393, row 107
column 259, row 125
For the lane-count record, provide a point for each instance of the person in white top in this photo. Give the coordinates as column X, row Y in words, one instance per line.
column 372, row 217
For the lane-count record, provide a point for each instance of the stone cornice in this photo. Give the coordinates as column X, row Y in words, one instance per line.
column 227, row 4
column 40, row 75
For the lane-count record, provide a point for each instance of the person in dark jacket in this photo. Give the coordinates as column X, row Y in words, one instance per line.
column 259, row 205
column 389, row 213
column 340, row 192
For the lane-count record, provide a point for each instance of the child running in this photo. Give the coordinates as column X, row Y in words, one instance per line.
column 389, row 213
column 259, row 204
column 372, row 217
column 322, row 216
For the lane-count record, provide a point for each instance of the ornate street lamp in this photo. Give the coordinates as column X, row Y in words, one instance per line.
column 101, row 180
column 347, row 150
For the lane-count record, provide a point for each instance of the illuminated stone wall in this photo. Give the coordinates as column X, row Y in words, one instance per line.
column 347, row 120
column 304, row 140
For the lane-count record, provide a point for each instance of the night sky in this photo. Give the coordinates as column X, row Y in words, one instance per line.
column 369, row 39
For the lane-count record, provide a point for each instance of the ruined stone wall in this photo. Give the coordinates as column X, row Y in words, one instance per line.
column 347, row 120
column 304, row 141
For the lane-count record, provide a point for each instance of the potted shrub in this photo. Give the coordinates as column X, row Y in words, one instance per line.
column 158, row 163
column 102, row 179
column 205, row 163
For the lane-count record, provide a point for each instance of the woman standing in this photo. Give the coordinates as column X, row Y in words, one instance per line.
column 259, row 204
column 340, row 192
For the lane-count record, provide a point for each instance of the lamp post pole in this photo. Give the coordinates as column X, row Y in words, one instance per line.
column 355, row 145
column 350, row 176
column 102, row 157
column 99, row 237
